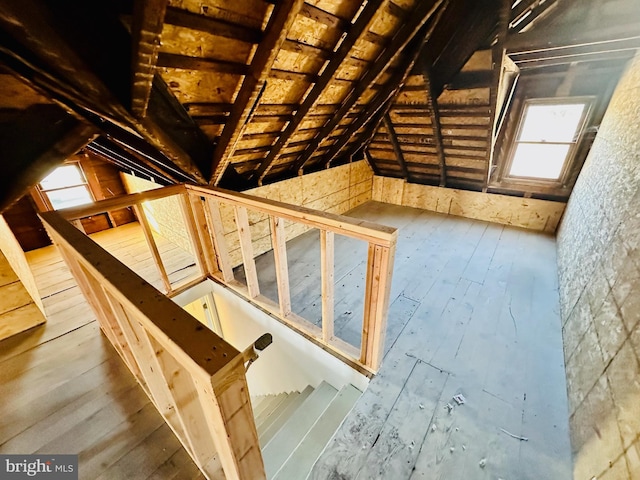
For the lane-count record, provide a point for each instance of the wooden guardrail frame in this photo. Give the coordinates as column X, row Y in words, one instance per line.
column 142, row 324
column 204, row 225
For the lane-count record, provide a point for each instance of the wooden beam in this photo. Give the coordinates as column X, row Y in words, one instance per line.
column 203, row 23
column 38, row 141
column 361, row 25
column 146, row 30
column 282, row 18
column 278, row 241
column 220, row 243
column 151, row 242
column 246, row 248
column 498, row 53
column 332, row 21
column 376, row 302
column 384, row 98
column 327, row 269
column 371, row 162
column 183, row 62
column 396, row 146
column 434, row 112
column 47, row 63
column 407, row 31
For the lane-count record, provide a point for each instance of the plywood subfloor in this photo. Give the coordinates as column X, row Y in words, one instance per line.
column 65, row 390
column 474, row 310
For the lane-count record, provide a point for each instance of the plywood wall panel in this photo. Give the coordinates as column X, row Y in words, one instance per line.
column 533, row 214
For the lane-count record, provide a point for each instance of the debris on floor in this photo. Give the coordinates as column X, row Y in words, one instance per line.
column 482, row 463
column 459, row 398
column 449, row 407
column 433, row 427
column 518, row 437
column 421, row 406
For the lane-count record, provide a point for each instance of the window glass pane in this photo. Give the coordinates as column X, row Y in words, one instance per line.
column 62, row 177
column 539, row 160
column 551, row 123
column 69, row 197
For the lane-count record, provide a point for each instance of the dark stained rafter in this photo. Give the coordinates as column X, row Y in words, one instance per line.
column 184, row 62
column 498, row 53
column 384, row 98
column 146, row 30
column 220, row 28
column 434, row 111
column 53, row 135
column 282, row 18
column 355, row 32
column 36, row 49
column 401, row 39
column 396, row 146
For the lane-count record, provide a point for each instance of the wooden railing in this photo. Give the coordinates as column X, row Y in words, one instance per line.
column 201, row 215
column 195, row 379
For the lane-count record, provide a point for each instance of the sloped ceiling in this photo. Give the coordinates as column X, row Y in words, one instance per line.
column 249, row 92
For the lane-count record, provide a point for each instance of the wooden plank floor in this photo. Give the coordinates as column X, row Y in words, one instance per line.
column 474, row 310
column 65, row 390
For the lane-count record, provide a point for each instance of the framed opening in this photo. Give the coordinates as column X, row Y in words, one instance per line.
column 65, row 187
column 547, row 135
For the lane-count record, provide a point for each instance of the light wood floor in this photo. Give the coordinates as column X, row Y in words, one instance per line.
column 474, row 310
column 65, row 390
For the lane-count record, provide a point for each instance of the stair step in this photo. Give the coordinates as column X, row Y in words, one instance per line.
column 279, row 448
column 277, row 412
column 271, row 406
column 286, row 410
column 261, row 403
column 299, row 464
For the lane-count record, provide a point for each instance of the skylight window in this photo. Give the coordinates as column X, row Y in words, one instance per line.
column 545, row 141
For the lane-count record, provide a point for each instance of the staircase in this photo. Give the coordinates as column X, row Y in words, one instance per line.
column 294, row 428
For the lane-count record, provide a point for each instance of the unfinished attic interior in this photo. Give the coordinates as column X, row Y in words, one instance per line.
column 324, row 239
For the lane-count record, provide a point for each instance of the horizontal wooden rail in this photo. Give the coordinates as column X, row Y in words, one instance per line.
column 195, row 379
column 348, row 226
column 121, row 201
column 200, row 210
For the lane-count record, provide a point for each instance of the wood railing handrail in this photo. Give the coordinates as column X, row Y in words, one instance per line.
column 120, row 201
column 199, row 347
column 195, row 378
column 341, row 224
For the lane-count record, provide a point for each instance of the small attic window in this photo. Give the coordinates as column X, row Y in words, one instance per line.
column 65, row 187
column 547, row 135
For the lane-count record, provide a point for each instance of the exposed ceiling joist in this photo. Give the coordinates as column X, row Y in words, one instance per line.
column 396, row 146
column 401, row 39
column 146, row 30
column 360, row 26
column 282, row 18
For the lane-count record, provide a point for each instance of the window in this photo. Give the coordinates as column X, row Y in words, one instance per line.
column 65, row 187
column 547, row 135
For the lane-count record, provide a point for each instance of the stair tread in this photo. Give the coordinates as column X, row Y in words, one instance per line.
column 278, row 449
column 268, row 420
column 272, row 405
column 305, row 455
column 286, row 410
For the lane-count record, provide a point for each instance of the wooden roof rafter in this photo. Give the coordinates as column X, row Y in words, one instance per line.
column 384, row 98
column 407, row 32
column 281, row 20
column 434, row 112
column 146, row 31
column 355, row 31
column 396, row 146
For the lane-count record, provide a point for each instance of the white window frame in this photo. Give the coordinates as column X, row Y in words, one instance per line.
column 573, row 146
column 43, row 193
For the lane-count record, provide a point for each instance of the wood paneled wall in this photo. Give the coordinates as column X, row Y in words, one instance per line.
column 541, row 215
